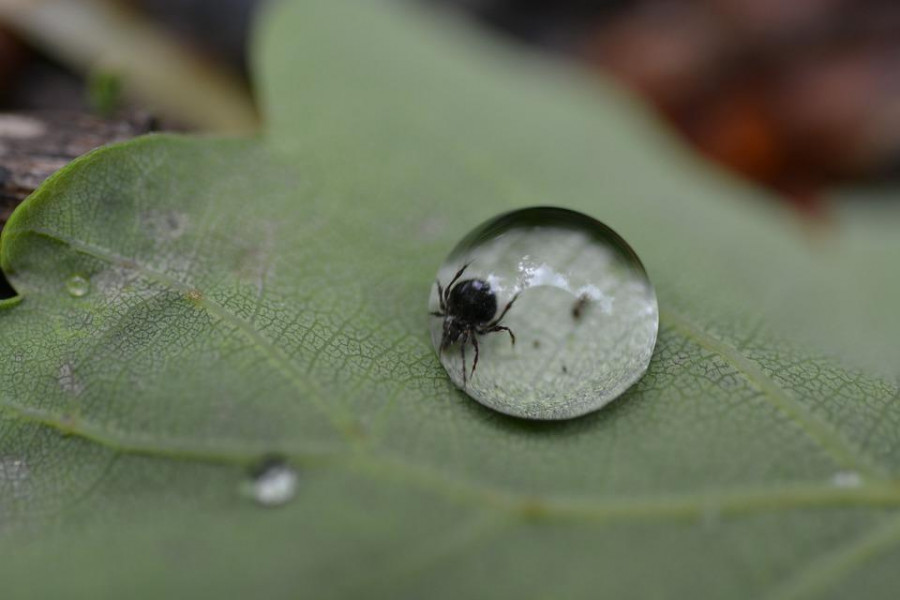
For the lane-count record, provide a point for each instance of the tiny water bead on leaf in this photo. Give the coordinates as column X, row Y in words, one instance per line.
column 78, row 286
column 273, row 482
column 568, row 289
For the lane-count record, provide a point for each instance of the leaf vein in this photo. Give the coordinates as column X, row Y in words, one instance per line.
column 341, row 421
column 843, row 452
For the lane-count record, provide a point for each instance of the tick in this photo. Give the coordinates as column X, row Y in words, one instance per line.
column 468, row 308
column 579, row 306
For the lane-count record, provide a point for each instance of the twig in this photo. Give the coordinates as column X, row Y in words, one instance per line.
column 35, row 145
column 92, row 35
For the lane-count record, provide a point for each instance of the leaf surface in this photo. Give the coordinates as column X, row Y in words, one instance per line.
column 262, row 296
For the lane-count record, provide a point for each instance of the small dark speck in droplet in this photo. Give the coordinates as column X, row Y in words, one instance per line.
column 564, row 369
column 536, row 343
column 579, row 306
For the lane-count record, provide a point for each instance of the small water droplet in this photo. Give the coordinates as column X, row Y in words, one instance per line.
column 552, row 275
column 273, row 482
column 78, row 286
column 846, row 479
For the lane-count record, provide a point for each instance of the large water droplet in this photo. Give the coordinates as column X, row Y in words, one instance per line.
column 583, row 313
column 78, row 286
column 273, row 482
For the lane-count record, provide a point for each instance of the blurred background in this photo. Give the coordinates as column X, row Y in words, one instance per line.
column 799, row 96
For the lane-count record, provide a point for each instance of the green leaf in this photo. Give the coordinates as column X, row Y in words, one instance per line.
column 262, row 296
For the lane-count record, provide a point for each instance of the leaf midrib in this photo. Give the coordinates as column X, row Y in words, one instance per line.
column 375, row 464
column 847, row 455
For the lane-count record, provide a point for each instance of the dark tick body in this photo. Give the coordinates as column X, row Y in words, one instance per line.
column 579, row 306
column 468, row 308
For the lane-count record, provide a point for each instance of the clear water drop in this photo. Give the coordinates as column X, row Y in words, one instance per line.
column 583, row 312
column 78, row 286
column 273, row 482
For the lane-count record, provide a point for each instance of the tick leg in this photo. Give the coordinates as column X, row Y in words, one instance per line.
column 512, row 336
column 441, row 297
column 462, row 352
column 475, row 362
column 436, row 314
column 455, row 277
column 506, row 308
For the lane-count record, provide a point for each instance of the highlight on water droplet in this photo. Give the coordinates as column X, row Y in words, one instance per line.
column 567, row 286
column 78, row 286
column 273, row 482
